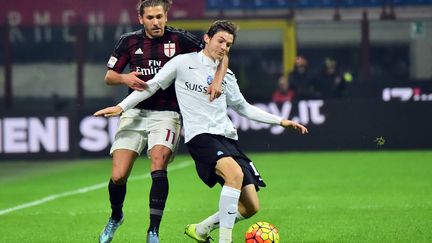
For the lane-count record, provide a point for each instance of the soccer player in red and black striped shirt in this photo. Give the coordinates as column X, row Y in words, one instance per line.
column 154, row 123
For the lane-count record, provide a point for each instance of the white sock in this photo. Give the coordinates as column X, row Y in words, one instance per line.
column 212, row 222
column 227, row 212
column 208, row 224
column 225, row 235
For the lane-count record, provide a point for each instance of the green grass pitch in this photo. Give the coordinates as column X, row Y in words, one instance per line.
column 381, row 196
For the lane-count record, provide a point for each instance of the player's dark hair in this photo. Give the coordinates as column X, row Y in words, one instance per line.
column 223, row 25
column 166, row 4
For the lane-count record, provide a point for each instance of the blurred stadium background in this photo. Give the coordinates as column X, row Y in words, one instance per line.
column 53, row 56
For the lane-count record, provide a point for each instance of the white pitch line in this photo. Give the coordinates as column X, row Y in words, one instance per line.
column 177, row 166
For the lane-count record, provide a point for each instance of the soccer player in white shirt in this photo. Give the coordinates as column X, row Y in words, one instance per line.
column 209, row 133
column 154, row 123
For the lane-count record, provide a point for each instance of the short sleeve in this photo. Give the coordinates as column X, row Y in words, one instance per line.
column 232, row 90
column 120, row 56
column 189, row 42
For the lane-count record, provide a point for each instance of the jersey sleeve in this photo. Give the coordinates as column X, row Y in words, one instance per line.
column 137, row 96
column 189, row 42
column 236, row 101
column 232, row 90
column 120, row 56
column 166, row 76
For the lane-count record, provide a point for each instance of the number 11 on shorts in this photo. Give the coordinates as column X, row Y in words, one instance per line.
column 170, row 136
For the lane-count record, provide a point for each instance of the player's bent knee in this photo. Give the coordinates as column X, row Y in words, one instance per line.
column 248, row 211
column 160, row 158
column 159, row 163
column 119, row 179
column 235, row 178
column 251, row 210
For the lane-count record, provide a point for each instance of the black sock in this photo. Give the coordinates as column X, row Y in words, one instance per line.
column 158, row 196
column 117, row 195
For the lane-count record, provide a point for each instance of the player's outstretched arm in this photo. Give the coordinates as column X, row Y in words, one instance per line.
column 254, row 113
column 163, row 79
column 109, row 111
column 292, row 124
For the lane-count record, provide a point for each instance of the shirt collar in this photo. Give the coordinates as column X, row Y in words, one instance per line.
column 207, row 61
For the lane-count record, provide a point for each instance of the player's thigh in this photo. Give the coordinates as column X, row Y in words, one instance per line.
column 129, row 141
column 122, row 164
column 164, row 132
column 230, row 171
column 131, row 133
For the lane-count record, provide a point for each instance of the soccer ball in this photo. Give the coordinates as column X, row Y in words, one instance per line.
column 262, row 232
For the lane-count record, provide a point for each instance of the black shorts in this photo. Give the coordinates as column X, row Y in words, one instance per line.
column 206, row 149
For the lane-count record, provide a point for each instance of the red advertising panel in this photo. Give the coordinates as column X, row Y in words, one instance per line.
column 104, row 12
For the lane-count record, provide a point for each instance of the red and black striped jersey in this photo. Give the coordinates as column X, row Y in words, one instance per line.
column 148, row 56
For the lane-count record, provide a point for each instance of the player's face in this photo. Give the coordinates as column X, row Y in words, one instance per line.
column 219, row 45
column 154, row 20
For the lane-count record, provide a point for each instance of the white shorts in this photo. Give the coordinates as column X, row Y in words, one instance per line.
column 138, row 128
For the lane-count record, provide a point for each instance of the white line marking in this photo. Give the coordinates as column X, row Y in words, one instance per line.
column 177, row 166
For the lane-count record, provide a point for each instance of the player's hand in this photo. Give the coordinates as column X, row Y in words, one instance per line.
column 133, row 82
column 109, row 111
column 215, row 90
column 288, row 123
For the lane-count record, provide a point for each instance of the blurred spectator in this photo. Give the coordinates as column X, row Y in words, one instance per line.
column 330, row 81
column 282, row 93
column 300, row 80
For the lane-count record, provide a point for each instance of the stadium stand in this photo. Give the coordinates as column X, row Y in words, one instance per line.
column 305, row 4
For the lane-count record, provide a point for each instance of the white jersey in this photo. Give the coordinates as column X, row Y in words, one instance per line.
column 193, row 73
